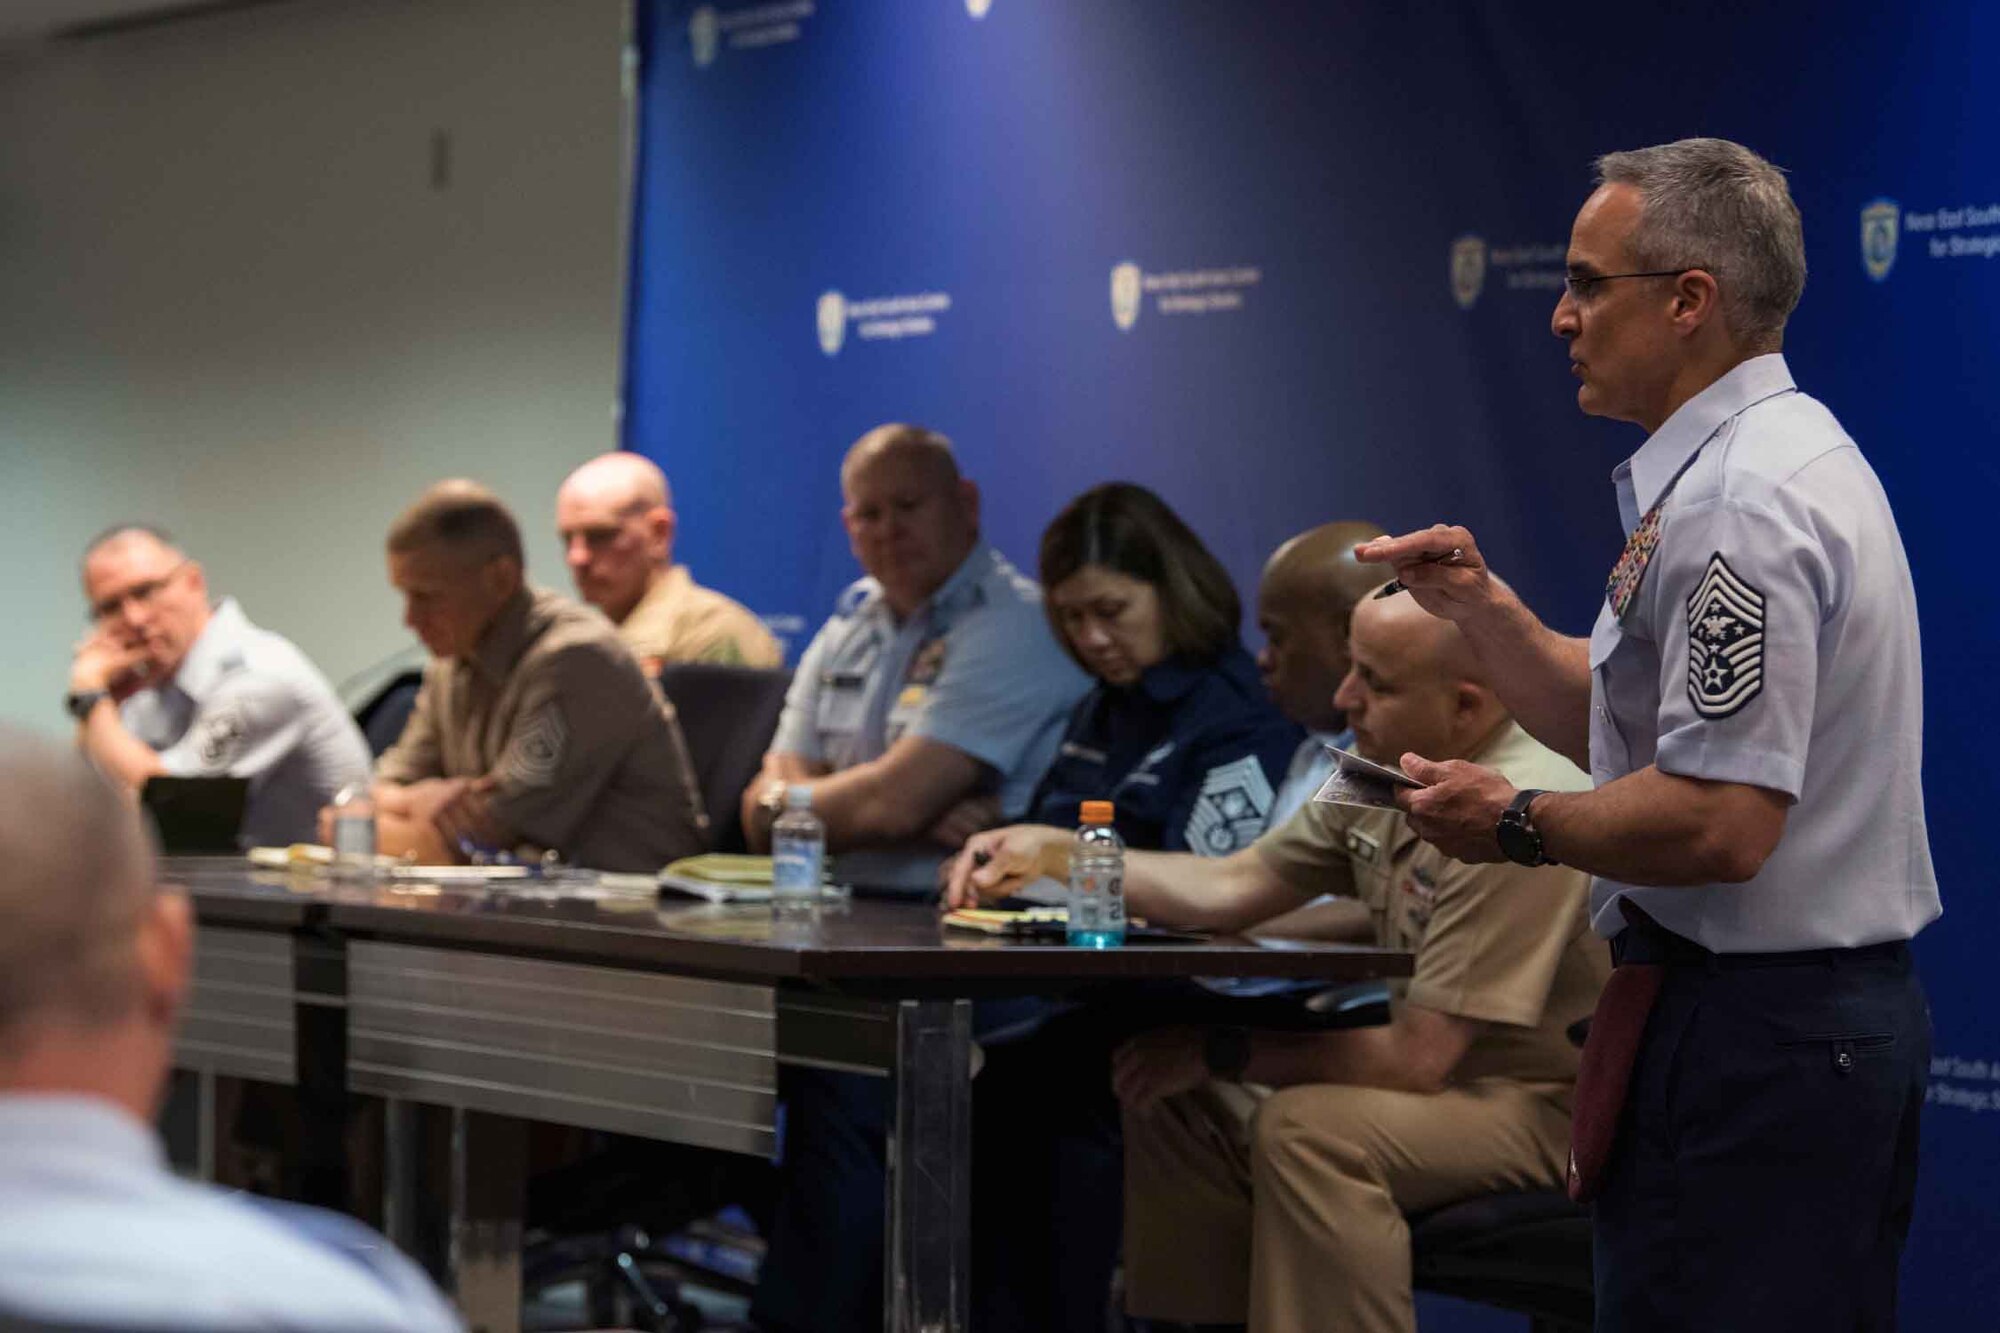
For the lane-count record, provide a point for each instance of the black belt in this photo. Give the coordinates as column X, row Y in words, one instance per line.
column 1645, row 940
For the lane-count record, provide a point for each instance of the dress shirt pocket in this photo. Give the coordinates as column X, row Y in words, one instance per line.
column 1610, row 756
column 841, row 706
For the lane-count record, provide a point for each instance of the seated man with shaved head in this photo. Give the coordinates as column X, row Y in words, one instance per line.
column 535, row 729
column 1304, row 602
column 616, row 519
column 168, row 682
column 1285, row 1208
column 932, row 701
column 95, row 1230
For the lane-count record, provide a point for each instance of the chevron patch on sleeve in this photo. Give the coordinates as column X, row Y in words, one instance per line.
column 1229, row 814
column 1725, row 641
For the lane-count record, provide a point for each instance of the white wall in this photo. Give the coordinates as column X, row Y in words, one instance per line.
column 233, row 302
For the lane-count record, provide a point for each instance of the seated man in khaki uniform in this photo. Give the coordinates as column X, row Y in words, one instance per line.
column 616, row 520
column 534, row 727
column 1286, row 1207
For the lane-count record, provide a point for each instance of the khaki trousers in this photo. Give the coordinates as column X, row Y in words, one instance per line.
column 1286, row 1209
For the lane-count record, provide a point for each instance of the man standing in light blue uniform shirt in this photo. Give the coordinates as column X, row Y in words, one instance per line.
column 95, row 1230
column 1750, row 706
column 929, row 705
column 168, row 684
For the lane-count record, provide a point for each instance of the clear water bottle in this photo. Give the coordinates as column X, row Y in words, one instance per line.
column 1097, row 881
column 354, row 830
column 798, row 853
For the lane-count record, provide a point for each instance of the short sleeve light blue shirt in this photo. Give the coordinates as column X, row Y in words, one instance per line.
column 95, row 1231
column 1772, row 641
column 247, row 703
column 975, row 668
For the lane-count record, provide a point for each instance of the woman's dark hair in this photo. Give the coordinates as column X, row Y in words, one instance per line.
column 1129, row 530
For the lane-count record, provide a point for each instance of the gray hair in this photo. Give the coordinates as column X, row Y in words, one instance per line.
column 76, row 875
column 1715, row 205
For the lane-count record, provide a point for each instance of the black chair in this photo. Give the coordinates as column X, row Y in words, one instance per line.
column 1528, row 1252
column 382, row 717
column 727, row 714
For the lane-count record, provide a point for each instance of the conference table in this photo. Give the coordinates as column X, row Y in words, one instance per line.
column 567, row 1002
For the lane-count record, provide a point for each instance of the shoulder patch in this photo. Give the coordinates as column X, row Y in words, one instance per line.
column 1725, row 641
column 219, row 737
column 1229, row 814
column 536, row 750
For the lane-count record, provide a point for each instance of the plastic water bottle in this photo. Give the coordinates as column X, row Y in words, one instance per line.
column 798, row 851
column 1097, row 881
column 354, row 830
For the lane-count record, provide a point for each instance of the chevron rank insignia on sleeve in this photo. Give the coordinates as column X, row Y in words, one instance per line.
column 1725, row 641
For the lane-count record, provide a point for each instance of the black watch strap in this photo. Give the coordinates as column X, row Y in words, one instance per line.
column 81, row 703
column 1519, row 840
column 1226, row 1052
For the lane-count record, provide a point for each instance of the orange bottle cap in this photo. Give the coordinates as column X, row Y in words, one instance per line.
column 1097, row 812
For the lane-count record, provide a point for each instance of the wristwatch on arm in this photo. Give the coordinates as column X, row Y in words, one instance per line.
column 1519, row 840
column 81, row 703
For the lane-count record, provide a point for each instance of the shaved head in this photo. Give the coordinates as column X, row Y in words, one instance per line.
column 76, row 877
column 1426, row 645
column 926, row 452
column 1416, row 686
column 1319, row 565
column 1307, row 593
column 616, row 521
column 623, row 480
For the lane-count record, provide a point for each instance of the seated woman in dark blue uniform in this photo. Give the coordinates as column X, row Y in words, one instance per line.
column 1179, row 734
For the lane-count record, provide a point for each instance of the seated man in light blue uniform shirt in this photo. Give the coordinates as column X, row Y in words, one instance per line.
column 95, row 1230
column 169, row 684
column 928, row 706
column 925, row 710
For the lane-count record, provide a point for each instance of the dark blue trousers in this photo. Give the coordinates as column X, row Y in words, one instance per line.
column 1764, row 1175
column 1047, row 1189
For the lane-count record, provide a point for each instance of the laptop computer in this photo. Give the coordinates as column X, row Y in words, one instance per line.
column 196, row 816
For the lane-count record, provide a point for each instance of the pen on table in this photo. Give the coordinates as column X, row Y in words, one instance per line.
column 1394, row 586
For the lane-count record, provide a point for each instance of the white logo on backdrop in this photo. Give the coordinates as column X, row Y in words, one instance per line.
column 1189, row 291
column 745, row 28
column 704, row 35
column 832, row 314
column 1968, row 231
column 878, row 318
column 1468, row 270
column 1126, row 284
column 1880, row 223
column 978, row 8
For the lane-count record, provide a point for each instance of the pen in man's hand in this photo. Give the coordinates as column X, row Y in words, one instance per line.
column 1394, row 586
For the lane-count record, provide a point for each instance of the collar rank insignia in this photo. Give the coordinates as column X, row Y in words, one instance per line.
column 1630, row 571
column 1725, row 618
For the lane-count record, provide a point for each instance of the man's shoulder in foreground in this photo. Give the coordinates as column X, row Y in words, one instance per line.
column 97, row 1232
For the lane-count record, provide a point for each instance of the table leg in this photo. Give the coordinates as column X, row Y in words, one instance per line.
column 930, row 1169
column 488, row 1198
column 204, row 1133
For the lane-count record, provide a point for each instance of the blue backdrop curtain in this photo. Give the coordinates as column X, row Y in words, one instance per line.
column 1288, row 262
